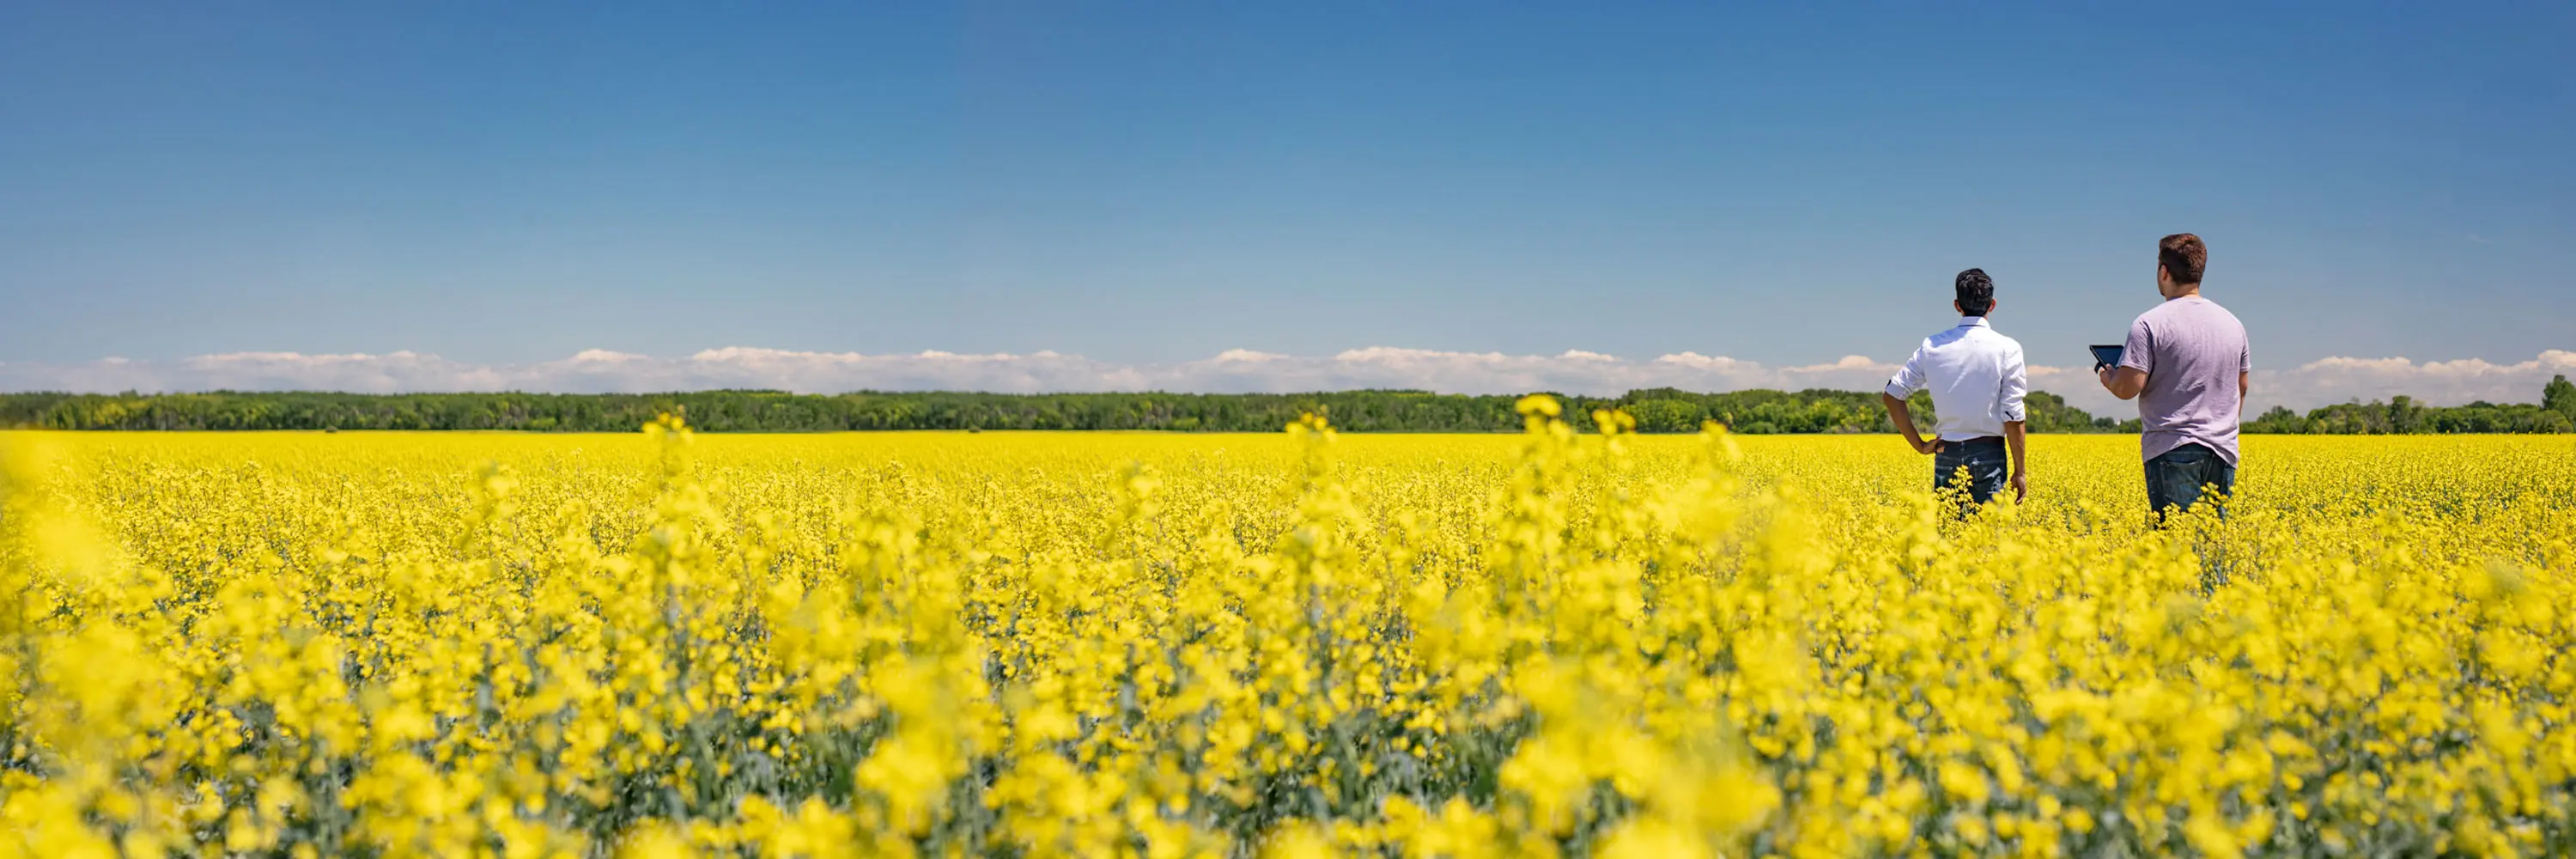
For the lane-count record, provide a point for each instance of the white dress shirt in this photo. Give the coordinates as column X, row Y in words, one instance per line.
column 1975, row 376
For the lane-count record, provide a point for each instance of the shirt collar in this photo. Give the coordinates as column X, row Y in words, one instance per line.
column 1973, row 322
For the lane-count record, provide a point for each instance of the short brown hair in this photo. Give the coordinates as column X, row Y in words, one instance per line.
column 2183, row 257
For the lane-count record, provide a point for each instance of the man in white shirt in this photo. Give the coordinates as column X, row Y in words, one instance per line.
column 1977, row 383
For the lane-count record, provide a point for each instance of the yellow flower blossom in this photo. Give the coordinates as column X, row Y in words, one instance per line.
column 1297, row 644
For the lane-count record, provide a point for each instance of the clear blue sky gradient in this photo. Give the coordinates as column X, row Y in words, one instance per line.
column 1159, row 182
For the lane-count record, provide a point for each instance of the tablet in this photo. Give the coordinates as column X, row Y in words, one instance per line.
column 2107, row 356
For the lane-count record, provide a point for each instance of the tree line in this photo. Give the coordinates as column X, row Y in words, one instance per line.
column 1656, row 410
column 2402, row 415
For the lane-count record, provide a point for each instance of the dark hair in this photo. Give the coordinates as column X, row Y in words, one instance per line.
column 2183, row 257
column 1976, row 292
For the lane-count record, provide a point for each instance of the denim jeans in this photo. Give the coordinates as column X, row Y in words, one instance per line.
column 2175, row 479
column 1985, row 461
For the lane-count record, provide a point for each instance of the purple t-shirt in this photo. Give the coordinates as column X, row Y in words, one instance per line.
column 2191, row 350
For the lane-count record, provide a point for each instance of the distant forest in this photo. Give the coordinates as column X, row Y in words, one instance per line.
column 1657, row 410
column 2403, row 416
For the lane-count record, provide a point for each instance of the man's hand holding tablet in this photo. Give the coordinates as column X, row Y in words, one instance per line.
column 2106, row 357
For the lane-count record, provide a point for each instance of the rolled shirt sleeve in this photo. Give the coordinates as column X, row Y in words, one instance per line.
column 1909, row 378
column 2016, row 387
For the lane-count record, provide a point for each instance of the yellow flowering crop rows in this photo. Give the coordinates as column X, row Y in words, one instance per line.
column 1297, row 644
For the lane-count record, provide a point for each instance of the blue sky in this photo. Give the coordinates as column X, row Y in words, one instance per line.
column 1148, row 185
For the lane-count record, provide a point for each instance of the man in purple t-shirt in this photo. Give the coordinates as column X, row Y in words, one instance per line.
column 2188, row 366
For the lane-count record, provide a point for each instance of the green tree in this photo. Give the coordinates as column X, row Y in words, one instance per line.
column 1667, row 415
column 2559, row 396
column 2279, row 420
column 2404, row 416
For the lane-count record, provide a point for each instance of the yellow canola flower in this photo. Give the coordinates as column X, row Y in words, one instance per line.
column 1302, row 644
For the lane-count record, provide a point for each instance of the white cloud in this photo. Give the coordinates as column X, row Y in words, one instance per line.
column 2445, row 383
column 1236, row 370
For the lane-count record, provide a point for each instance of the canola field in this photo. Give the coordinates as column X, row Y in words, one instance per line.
column 1295, row 644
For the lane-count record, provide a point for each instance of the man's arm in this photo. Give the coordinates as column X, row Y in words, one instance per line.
column 2020, row 467
column 2016, row 390
column 2244, row 377
column 2124, row 382
column 2137, row 359
column 1904, row 420
column 1909, row 379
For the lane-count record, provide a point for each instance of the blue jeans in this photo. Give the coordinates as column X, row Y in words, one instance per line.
column 1985, row 460
column 2176, row 477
